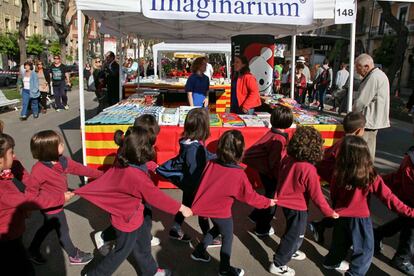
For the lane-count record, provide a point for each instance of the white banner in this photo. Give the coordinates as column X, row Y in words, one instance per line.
column 290, row 12
column 110, row 5
column 345, row 11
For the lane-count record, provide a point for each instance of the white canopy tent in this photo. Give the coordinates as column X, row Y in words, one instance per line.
column 213, row 21
column 224, row 48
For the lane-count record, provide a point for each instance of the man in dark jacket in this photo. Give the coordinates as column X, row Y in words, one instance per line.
column 111, row 69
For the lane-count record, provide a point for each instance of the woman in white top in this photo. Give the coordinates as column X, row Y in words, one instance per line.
column 30, row 91
column 44, row 82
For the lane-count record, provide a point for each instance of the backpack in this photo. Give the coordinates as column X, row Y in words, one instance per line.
column 324, row 78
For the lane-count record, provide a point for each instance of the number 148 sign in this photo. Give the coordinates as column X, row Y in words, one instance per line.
column 345, row 11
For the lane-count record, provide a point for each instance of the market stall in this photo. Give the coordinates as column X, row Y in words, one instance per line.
column 222, row 48
column 188, row 21
column 101, row 149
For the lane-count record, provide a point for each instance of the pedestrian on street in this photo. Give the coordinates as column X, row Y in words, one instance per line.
column 306, row 72
column 44, row 85
column 86, row 74
column 340, row 90
column 60, row 77
column 30, row 92
column 373, row 99
column 111, row 69
column 323, row 82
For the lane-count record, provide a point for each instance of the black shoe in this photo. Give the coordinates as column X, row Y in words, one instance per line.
column 233, row 271
column 37, row 258
column 317, row 231
column 23, row 118
column 404, row 266
column 179, row 235
column 201, row 256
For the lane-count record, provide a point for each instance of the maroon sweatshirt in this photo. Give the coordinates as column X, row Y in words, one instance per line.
column 327, row 166
column 120, row 192
column 401, row 182
column 355, row 202
column 220, row 185
column 265, row 155
column 299, row 182
column 52, row 179
column 15, row 204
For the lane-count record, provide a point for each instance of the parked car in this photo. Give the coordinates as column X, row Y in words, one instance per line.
column 8, row 77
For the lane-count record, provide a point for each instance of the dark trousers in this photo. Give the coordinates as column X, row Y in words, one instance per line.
column 357, row 232
column 188, row 201
column 322, row 94
column 43, row 100
column 61, row 100
column 138, row 243
column 109, row 234
column 225, row 228
column 404, row 225
column 263, row 217
column 14, row 259
column 325, row 223
column 58, row 223
column 293, row 237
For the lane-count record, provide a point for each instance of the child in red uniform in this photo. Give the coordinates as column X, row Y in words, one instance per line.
column 50, row 176
column 14, row 204
column 103, row 239
column 193, row 158
column 401, row 183
column 223, row 181
column 354, row 124
column 121, row 192
column 355, row 180
column 265, row 157
column 298, row 182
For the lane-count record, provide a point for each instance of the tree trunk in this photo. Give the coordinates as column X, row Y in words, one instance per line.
column 24, row 22
column 401, row 37
column 87, row 28
column 62, row 42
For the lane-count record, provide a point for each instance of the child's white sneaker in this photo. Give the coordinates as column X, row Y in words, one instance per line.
column 343, row 266
column 99, row 242
column 155, row 241
column 298, row 256
column 283, row 270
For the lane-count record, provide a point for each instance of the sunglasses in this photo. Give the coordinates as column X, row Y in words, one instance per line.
column 56, row 58
column 98, row 61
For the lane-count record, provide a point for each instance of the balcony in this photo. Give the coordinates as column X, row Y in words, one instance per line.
column 387, row 30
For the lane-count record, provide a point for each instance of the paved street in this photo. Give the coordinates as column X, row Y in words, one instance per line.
column 249, row 252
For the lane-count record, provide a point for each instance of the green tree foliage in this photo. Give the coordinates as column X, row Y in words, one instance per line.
column 9, row 45
column 385, row 53
column 54, row 47
column 35, row 45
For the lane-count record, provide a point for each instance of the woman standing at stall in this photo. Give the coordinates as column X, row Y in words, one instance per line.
column 244, row 88
column 198, row 84
column 30, row 92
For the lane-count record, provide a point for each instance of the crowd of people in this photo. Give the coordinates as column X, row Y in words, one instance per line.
column 289, row 169
column 38, row 83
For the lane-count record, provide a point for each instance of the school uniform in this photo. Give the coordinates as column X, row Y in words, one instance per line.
column 120, row 192
column 199, row 86
column 14, row 206
column 52, row 180
column 221, row 184
column 298, row 182
column 265, row 157
column 326, row 167
column 354, row 227
column 194, row 157
column 401, row 183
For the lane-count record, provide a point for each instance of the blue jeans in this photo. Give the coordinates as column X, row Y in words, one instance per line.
column 25, row 104
column 322, row 93
column 357, row 232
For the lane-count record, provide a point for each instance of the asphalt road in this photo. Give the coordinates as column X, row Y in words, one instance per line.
column 249, row 252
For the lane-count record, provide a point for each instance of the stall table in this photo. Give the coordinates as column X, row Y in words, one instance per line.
column 222, row 92
column 101, row 149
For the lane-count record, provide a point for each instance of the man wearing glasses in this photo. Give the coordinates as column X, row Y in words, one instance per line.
column 60, row 77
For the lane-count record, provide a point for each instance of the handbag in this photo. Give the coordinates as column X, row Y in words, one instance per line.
column 91, row 84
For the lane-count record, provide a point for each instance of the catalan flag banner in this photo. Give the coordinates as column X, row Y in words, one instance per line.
column 101, row 148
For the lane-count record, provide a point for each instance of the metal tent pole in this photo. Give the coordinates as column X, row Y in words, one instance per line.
column 293, row 68
column 351, row 67
column 81, row 86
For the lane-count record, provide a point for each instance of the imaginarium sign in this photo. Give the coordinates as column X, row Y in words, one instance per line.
column 290, row 12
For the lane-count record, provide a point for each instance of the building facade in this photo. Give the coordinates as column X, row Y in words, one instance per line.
column 372, row 28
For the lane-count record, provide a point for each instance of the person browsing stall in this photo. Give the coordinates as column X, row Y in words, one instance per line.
column 198, row 84
column 245, row 95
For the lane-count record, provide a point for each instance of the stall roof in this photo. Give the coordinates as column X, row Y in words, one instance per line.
column 123, row 17
column 198, row 47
